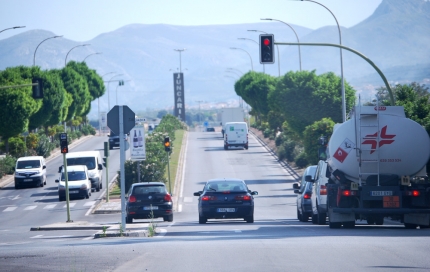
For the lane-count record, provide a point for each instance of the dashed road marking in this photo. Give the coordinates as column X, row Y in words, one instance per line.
column 51, row 206
column 9, row 209
column 30, row 208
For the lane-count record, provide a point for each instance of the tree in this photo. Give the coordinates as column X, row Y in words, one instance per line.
column 95, row 83
column 303, row 98
column 312, row 133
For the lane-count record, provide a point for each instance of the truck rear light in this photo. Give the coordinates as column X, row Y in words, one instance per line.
column 349, row 193
column 167, row 198
column 243, row 197
column 131, row 199
column 307, row 196
column 208, row 198
column 323, row 190
column 412, row 193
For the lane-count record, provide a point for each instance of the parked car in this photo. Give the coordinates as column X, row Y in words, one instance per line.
column 148, row 200
column 30, row 171
column 304, row 193
column 210, row 129
column 319, row 193
column 226, row 198
column 78, row 182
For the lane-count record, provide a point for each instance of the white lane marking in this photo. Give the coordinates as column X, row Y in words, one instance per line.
column 161, row 233
column 88, row 238
column 89, row 203
column 70, row 205
column 9, row 209
column 91, row 207
column 30, row 208
column 183, row 169
column 188, row 199
column 16, row 197
column 237, row 230
column 180, row 208
column 51, row 206
column 12, row 244
column 37, row 236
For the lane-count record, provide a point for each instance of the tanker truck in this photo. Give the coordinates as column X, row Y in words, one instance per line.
column 377, row 161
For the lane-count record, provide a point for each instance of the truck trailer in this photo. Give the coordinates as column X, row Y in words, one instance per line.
column 231, row 115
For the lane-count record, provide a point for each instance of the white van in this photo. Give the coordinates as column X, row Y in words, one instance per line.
column 30, row 171
column 78, row 182
column 94, row 163
column 235, row 134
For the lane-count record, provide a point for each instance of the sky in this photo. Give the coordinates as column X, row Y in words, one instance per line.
column 83, row 20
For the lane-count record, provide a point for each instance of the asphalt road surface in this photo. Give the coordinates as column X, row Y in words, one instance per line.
column 276, row 241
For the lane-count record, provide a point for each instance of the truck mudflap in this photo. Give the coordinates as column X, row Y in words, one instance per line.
column 381, row 211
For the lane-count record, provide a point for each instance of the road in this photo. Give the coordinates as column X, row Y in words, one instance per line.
column 276, row 241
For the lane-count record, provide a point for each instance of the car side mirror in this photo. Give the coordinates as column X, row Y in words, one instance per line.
column 60, row 168
column 100, row 166
column 44, row 167
column 57, row 181
column 296, row 186
column 254, row 193
column 309, row 178
column 199, row 193
column 296, row 191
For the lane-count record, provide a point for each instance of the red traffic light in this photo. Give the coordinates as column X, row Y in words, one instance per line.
column 266, row 42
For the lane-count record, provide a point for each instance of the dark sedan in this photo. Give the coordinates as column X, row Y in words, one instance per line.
column 147, row 201
column 304, row 194
column 225, row 199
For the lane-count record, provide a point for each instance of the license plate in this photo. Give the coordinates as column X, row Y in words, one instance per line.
column 381, row 193
column 226, row 209
column 28, row 180
column 73, row 192
column 148, row 208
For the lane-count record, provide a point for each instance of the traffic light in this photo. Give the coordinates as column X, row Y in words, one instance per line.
column 266, row 48
column 167, row 144
column 63, row 143
column 37, row 88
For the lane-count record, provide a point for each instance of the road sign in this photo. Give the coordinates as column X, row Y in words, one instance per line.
column 206, row 124
column 138, row 151
column 128, row 119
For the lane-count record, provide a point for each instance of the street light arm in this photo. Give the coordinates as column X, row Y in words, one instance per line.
column 247, row 40
column 252, row 66
column 97, row 53
column 34, row 56
column 12, row 28
column 65, row 61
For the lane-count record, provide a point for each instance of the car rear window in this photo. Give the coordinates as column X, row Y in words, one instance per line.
column 225, row 186
column 90, row 162
column 146, row 190
column 74, row 176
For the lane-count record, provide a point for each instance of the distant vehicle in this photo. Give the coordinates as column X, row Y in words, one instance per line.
column 78, row 182
column 210, row 129
column 114, row 140
column 94, row 163
column 30, row 171
column 304, row 193
column 148, row 200
column 226, row 198
column 236, row 135
column 231, row 115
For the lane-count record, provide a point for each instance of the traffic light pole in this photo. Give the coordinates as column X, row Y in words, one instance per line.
column 168, row 171
column 122, row 168
column 66, row 177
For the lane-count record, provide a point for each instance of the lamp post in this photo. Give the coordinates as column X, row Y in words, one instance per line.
column 236, row 70
column 108, row 89
column 180, row 60
column 34, row 56
column 264, row 68
column 341, row 60
column 277, row 49
column 97, row 53
column 235, row 48
column 199, row 101
column 11, row 28
column 300, row 55
column 98, row 102
column 65, row 61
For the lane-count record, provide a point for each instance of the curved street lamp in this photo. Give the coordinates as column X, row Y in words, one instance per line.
column 300, row 55
column 34, row 56
column 233, row 72
column 235, row 48
column 11, row 28
column 108, row 88
column 264, row 66
column 341, row 60
column 277, row 49
column 65, row 60
column 97, row 53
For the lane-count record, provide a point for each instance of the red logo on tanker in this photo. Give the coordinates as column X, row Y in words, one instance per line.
column 372, row 139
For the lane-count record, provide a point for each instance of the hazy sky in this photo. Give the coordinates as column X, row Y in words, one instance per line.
column 82, row 20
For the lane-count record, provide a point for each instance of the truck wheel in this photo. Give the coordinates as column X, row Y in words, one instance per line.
column 321, row 218
column 349, row 225
column 98, row 187
column 314, row 219
column 379, row 220
column 335, row 225
column 370, row 220
column 410, row 226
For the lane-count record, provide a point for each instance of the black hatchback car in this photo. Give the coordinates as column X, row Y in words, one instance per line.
column 304, row 194
column 147, row 201
column 224, row 199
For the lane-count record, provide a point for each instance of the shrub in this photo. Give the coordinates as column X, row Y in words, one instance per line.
column 16, row 147
column 6, row 165
column 44, row 146
column 301, row 160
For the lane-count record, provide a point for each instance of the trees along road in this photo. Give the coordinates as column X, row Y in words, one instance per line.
column 276, row 241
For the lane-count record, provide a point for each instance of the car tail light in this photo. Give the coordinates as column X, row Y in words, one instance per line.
column 243, row 197
column 323, row 190
column 307, row 196
column 167, row 198
column 132, row 198
column 208, row 198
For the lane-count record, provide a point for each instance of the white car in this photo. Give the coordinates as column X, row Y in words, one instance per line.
column 78, row 182
column 319, row 194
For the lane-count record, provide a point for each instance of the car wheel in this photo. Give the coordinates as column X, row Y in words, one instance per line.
column 98, row 187
column 314, row 219
column 305, row 217
column 225, row 147
column 41, row 183
column 128, row 220
column 168, row 218
column 45, row 182
column 249, row 219
column 88, row 194
column 202, row 220
column 299, row 216
column 246, row 147
column 101, row 185
column 61, row 198
column 349, row 224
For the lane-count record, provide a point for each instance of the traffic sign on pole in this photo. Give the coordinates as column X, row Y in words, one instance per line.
column 128, row 119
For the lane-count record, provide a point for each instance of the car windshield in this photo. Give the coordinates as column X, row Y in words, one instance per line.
column 146, row 190
column 90, row 162
column 73, row 176
column 226, row 186
column 28, row 164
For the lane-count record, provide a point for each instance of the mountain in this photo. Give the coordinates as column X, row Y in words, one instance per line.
column 394, row 37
